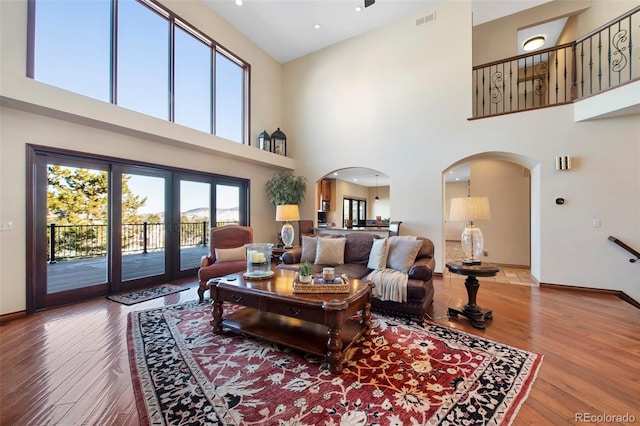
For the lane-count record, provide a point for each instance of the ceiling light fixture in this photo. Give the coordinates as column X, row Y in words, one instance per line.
column 533, row 43
column 358, row 9
column 316, row 26
column 377, row 198
column 239, row 2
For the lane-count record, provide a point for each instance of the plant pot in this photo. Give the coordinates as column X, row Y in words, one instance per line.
column 305, row 278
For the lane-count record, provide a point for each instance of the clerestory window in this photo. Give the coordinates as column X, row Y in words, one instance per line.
column 139, row 55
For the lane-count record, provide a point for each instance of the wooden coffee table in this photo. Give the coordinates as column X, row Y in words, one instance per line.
column 319, row 324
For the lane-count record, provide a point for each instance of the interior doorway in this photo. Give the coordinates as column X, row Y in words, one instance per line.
column 507, row 183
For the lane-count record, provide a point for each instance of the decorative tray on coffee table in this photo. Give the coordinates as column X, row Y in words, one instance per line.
column 320, row 285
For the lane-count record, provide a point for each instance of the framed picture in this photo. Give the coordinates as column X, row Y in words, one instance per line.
column 280, row 147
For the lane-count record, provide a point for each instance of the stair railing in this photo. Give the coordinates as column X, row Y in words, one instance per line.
column 633, row 251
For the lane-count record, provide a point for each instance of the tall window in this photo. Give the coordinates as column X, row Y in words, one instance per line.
column 143, row 58
column 72, row 46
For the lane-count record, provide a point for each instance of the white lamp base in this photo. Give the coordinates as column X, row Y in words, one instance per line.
column 287, row 233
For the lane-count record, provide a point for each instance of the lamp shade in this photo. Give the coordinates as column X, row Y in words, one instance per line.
column 469, row 209
column 287, row 212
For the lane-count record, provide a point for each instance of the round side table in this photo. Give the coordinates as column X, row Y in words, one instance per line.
column 471, row 310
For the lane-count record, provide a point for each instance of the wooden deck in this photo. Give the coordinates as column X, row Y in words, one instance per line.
column 77, row 273
column 70, row 365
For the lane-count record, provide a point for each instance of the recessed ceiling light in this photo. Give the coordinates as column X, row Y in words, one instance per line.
column 239, row 2
column 533, row 43
column 358, row 9
column 335, row 173
column 316, row 26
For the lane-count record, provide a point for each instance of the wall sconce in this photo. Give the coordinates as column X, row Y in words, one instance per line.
column 563, row 162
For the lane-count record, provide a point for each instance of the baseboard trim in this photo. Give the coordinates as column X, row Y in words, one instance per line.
column 6, row 318
column 621, row 294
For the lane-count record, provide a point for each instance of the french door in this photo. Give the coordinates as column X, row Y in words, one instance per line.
column 99, row 226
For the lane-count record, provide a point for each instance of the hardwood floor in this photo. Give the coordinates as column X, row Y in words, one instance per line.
column 70, row 365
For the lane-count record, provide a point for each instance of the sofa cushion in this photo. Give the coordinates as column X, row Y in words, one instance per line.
column 308, row 248
column 402, row 253
column 231, row 254
column 379, row 254
column 330, row 251
column 358, row 247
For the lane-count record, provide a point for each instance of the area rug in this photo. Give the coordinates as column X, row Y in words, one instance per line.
column 138, row 296
column 401, row 374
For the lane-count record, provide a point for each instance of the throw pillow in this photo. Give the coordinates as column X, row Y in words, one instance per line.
column 308, row 248
column 330, row 251
column 402, row 254
column 228, row 255
column 378, row 255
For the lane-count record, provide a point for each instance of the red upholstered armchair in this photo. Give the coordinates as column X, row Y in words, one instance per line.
column 228, row 261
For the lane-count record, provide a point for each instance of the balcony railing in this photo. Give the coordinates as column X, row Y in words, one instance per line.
column 82, row 241
column 559, row 75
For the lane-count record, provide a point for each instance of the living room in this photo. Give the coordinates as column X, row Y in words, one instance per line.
column 397, row 100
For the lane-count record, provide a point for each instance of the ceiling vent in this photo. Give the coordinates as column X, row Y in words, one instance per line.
column 426, row 19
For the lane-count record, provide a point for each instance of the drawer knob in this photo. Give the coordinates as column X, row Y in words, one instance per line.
column 292, row 312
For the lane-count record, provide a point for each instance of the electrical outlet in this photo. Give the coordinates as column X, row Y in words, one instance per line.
column 486, row 253
column 596, row 223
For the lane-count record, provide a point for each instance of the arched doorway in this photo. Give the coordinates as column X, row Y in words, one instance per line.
column 358, row 194
column 510, row 182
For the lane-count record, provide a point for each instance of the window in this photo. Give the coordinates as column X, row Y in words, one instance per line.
column 192, row 92
column 143, row 58
column 72, row 46
column 229, row 105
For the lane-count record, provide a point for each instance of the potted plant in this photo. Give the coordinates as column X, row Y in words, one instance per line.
column 305, row 272
column 285, row 188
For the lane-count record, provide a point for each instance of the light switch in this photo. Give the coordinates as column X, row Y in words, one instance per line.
column 6, row 225
column 596, row 223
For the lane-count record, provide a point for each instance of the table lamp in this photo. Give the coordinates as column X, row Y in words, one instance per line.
column 285, row 213
column 470, row 209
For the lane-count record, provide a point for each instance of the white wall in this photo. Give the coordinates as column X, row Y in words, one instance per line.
column 35, row 113
column 407, row 91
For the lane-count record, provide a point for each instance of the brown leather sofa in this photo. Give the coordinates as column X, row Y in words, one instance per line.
column 224, row 237
column 356, row 255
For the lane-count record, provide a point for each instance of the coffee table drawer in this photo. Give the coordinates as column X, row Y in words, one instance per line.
column 292, row 310
column 239, row 298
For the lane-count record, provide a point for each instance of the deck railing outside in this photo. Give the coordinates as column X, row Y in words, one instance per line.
column 601, row 60
column 83, row 241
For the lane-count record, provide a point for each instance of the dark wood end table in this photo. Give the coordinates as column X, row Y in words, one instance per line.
column 317, row 323
column 471, row 310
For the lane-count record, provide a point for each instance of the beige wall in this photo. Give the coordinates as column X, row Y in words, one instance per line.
column 406, row 92
column 35, row 113
column 506, row 235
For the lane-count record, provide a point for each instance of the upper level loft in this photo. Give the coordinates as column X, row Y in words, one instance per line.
column 599, row 73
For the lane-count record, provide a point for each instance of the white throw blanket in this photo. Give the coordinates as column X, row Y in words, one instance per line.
column 390, row 284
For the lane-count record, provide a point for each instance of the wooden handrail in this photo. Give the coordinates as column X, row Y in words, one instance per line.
column 634, row 252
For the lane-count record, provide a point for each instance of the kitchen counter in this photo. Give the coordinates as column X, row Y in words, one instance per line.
column 382, row 231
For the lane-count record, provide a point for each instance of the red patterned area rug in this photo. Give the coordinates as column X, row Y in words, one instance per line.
column 401, row 374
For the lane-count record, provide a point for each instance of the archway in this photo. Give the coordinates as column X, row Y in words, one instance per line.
column 355, row 193
column 511, row 182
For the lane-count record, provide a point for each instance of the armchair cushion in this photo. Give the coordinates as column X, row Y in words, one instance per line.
column 231, row 254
